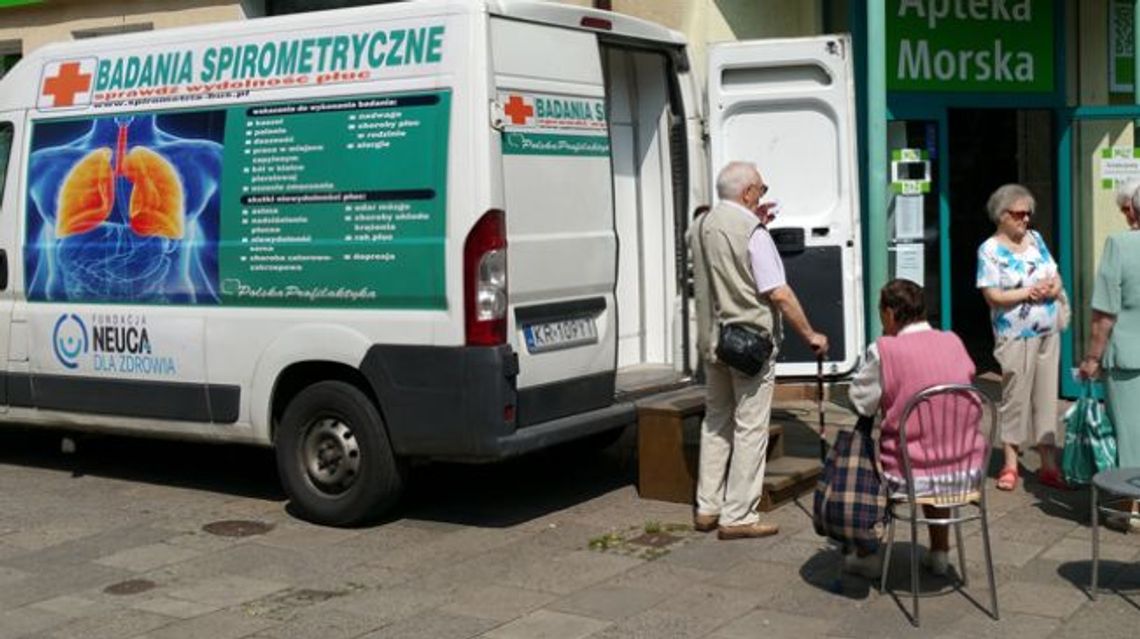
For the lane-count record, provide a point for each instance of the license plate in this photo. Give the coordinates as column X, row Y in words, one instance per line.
column 551, row 336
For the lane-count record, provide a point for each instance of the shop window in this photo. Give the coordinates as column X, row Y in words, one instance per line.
column 1106, row 155
column 10, row 54
column 5, row 149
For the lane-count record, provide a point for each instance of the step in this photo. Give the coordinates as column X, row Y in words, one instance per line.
column 787, row 478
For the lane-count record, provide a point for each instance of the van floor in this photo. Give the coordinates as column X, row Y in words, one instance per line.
column 640, row 380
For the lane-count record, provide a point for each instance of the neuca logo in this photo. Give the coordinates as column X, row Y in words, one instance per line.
column 67, row 84
column 113, row 343
column 69, row 339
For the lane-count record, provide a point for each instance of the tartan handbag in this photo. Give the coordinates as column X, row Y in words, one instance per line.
column 850, row 503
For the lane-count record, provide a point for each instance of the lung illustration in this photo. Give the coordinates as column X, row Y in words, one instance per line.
column 156, row 207
column 123, row 210
column 87, row 195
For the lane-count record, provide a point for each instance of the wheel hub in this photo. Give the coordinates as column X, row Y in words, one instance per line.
column 331, row 455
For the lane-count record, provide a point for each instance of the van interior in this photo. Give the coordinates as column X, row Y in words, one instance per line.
column 647, row 141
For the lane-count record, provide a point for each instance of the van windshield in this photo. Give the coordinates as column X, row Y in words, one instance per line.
column 5, row 149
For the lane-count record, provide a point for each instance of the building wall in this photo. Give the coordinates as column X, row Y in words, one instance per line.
column 30, row 27
column 709, row 21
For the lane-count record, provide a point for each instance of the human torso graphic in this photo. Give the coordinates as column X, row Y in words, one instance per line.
column 121, row 208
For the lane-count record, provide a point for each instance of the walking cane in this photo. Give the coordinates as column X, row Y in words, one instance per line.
column 819, row 406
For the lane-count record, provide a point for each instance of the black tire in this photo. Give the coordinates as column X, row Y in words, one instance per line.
column 334, row 458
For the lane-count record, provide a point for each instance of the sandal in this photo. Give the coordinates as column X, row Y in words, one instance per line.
column 1007, row 479
column 1052, row 479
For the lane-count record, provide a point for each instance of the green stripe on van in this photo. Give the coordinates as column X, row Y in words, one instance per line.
column 517, row 143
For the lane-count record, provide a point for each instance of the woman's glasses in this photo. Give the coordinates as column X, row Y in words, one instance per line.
column 1019, row 215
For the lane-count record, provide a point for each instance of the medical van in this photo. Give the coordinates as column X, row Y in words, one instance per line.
column 427, row 230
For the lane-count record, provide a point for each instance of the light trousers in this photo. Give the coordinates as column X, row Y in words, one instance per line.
column 734, row 443
column 1030, row 374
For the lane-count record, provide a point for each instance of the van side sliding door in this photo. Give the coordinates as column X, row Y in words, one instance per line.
column 788, row 105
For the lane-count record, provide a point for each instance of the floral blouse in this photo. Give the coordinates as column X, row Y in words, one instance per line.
column 999, row 267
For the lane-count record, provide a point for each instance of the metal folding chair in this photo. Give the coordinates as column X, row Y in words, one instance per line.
column 949, row 418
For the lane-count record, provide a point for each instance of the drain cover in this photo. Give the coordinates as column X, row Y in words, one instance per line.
column 237, row 528
column 130, row 587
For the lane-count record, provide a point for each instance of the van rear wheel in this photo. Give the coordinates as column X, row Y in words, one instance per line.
column 334, row 457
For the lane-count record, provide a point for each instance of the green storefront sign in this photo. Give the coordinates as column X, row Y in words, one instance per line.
column 983, row 46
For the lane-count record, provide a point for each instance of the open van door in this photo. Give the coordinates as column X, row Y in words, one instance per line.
column 789, row 106
column 558, row 192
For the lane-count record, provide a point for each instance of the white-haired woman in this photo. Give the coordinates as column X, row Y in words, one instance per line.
column 1020, row 281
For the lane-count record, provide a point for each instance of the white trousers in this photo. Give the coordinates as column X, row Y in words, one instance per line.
column 734, row 443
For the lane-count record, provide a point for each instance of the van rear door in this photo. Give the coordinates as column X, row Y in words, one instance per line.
column 789, row 106
column 558, row 193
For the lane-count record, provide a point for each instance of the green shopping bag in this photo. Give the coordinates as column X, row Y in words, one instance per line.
column 1090, row 439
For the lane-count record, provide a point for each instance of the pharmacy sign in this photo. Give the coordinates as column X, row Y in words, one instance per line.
column 983, row 46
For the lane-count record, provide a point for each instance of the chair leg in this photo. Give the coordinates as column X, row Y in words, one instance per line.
column 914, row 561
column 1095, row 543
column 989, row 562
column 887, row 557
column 961, row 547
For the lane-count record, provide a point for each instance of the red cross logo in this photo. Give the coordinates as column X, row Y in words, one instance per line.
column 518, row 110
column 64, row 86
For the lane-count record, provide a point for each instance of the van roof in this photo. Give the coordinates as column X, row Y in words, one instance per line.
column 26, row 72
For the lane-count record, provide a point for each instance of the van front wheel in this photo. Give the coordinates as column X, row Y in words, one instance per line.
column 334, row 457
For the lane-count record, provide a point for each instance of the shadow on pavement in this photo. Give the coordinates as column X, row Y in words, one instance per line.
column 507, row 493
column 246, row 471
column 491, row 495
column 1117, row 578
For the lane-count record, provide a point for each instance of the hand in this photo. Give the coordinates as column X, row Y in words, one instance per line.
column 1033, row 294
column 767, row 211
column 1090, row 368
column 818, row 344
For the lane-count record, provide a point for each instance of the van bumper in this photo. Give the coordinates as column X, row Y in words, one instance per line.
column 462, row 403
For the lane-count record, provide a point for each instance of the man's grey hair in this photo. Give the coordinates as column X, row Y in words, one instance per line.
column 1126, row 193
column 1004, row 197
column 734, row 178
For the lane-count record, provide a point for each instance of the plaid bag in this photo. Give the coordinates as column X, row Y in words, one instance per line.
column 850, row 504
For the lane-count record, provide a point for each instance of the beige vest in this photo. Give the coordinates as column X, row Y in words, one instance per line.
column 728, row 270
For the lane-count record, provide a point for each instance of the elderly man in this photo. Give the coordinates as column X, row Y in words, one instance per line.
column 739, row 278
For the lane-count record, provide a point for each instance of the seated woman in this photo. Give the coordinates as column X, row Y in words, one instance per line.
column 912, row 356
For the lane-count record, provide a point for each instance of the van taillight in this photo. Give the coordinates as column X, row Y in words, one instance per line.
column 485, row 281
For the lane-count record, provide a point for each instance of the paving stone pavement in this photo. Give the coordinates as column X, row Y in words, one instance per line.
column 540, row 547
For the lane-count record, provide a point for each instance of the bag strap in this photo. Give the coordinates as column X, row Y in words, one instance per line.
column 708, row 268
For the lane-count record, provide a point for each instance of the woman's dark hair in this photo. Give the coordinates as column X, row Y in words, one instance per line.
column 905, row 300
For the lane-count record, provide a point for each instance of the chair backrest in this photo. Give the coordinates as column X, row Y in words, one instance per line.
column 949, row 418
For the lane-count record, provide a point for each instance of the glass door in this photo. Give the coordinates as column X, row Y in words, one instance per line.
column 1103, row 152
column 916, row 211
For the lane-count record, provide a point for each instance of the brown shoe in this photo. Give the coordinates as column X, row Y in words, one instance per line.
column 747, row 531
column 705, row 523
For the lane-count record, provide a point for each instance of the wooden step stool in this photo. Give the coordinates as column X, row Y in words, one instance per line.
column 668, row 449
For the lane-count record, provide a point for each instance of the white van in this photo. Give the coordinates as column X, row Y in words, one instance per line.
column 438, row 229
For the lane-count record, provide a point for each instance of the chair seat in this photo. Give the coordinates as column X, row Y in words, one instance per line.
column 1119, row 481
column 972, row 497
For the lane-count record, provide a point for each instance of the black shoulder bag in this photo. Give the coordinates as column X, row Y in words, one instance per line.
column 744, row 347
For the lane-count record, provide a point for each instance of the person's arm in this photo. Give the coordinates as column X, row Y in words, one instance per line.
column 1004, row 298
column 1107, row 302
column 1102, row 324
column 865, row 391
column 789, row 305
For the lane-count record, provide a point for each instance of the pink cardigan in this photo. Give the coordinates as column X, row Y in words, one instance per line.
column 910, row 363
